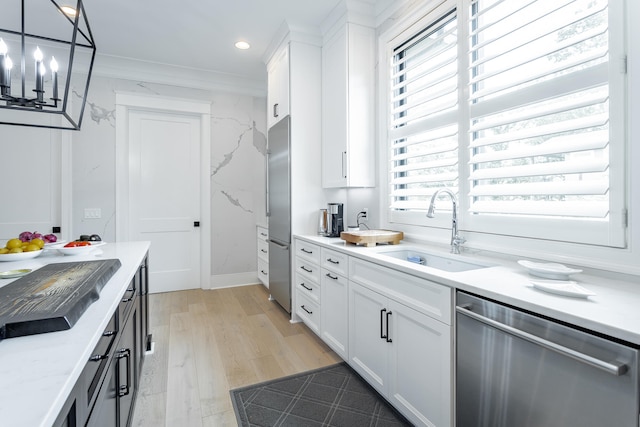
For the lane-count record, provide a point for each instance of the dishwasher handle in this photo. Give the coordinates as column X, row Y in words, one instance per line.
column 612, row 368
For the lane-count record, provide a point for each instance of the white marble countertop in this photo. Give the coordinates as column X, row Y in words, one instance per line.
column 613, row 311
column 38, row 372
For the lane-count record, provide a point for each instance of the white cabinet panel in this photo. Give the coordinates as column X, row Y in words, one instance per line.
column 348, row 95
column 278, row 87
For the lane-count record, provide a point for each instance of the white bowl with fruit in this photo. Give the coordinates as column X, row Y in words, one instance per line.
column 77, row 247
column 26, row 246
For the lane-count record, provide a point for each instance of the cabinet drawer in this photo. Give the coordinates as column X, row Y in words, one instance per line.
column 308, row 269
column 330, row 276
column 308, row 287
column 263, row 250
column 308, row 311
column 127, row 301
column 99, row 360
column 308, row 251
column 335, row 261
column 262, row 233
column 263, row 271
column 427, row 297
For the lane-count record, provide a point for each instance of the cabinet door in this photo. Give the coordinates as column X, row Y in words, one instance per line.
column 126, row 355
column 278, row 87
column 420, row 367
column 334, row 329
column 368, row 346
column 105, row 410
column 334, row 111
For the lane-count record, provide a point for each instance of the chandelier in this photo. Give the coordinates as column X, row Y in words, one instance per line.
column 46, row 60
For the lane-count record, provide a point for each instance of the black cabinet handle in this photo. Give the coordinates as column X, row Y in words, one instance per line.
column 124, row 390
column 127, row 299
column 275, row 110
column 306, row 251
column 331, row 277
column 308, row 311
column 382, row 335
column 332, row 261
column 306, row 269
column 98, row 357
column 263, row 251
column 263, row 272
column 196, row 223
column 108, row 333
column 388, row 337
column 307, row 288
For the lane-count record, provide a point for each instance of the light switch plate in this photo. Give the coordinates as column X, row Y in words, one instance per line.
column 92, row 213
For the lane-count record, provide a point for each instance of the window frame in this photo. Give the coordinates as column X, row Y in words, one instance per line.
column 490, row 228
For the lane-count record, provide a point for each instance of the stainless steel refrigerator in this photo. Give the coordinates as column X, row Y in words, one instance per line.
column 279, row 212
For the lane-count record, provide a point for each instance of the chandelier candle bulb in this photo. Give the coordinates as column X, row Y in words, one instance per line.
column 37, row 55
column 54, row 77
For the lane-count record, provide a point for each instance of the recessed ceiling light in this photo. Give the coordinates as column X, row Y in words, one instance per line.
column 242, row 45
column 69, row 11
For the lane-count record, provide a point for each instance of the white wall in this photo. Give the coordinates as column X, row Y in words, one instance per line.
column 238, row 144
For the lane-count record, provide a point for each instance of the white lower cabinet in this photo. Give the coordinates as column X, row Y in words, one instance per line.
column 334, row 325
column 393, row 328
column 403, row 353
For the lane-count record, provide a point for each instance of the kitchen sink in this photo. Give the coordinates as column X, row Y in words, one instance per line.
column 450, row 264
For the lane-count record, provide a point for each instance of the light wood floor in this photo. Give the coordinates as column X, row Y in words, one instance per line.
column 209, row 342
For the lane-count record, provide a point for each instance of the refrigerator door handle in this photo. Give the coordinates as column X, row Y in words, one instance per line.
column 266, row 181
column 280, row 245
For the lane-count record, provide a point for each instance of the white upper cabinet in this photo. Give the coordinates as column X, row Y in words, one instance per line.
column 278, row 86
column 348, row 79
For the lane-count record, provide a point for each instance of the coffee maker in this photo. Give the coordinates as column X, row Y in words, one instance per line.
column 334, row 220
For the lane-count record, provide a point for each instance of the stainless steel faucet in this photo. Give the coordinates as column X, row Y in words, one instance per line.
column 456, row 239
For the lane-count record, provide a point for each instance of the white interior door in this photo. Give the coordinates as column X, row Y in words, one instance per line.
column 164, row 195
column 30, row 192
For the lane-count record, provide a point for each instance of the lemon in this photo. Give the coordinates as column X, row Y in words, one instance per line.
column 14, row 243
column 4, row 251
column 31, row 248
column 15, row 251
column 38, row 242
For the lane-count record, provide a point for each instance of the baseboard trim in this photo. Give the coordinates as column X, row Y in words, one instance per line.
column 219, row 281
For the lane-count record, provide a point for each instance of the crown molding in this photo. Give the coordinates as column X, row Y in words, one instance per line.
column 151, row 72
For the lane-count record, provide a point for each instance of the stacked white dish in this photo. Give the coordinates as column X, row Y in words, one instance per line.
column 558, row 279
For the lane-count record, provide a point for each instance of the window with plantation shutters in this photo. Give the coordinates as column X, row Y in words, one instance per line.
column 424, row 116
column 520, row 110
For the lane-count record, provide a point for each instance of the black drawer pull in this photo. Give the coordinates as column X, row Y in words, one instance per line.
column 332, row 261
column 127, row 299
column 98, row 357
column 306, row 251
column 388, row 337
column 307, row 288
column 263, row 272
column 308, row 311
column 306, row 269
column 382, row 335
column 124, row 390
column 331, row 277
column 263, row 251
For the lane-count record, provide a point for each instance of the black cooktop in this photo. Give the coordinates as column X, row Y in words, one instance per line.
column 53, row 297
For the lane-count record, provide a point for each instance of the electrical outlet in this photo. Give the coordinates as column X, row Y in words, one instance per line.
column 365, row 212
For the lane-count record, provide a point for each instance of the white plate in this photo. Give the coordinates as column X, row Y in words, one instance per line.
column 20, row 256
column 14, row 273
column 78, row 250
column 548, row 270
column 567, row 288
column 57, row 242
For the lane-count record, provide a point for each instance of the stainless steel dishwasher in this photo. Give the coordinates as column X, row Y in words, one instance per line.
column 516, row 369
